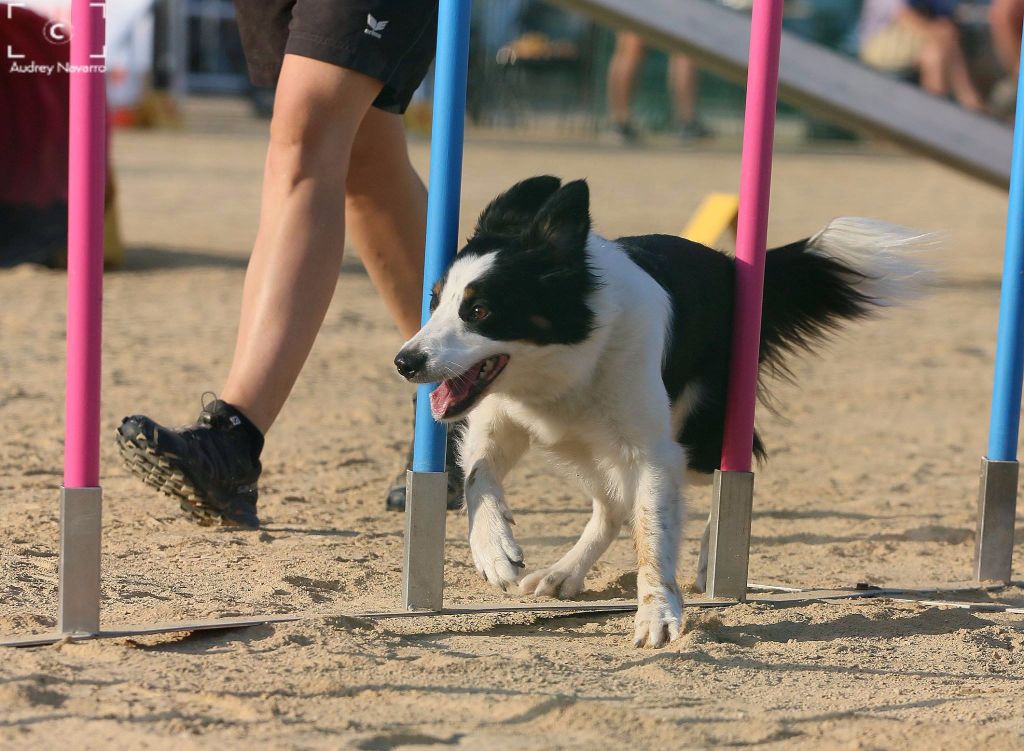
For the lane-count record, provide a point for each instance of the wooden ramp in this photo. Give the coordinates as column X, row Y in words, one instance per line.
column 820, row 81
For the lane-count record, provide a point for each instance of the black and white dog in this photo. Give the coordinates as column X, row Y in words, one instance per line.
column 612, row 357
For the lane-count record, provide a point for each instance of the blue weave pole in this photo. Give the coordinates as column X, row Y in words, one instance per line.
column 447, row 130
column 1004, row 425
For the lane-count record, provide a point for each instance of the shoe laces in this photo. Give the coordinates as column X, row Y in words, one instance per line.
column 207, row 417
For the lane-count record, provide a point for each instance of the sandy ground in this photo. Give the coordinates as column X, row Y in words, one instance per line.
column 872, row 478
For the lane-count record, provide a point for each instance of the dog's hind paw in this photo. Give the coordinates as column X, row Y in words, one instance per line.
column 552, row 582
column 658, row 623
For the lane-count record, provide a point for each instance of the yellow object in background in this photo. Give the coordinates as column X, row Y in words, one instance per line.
column 716, row 214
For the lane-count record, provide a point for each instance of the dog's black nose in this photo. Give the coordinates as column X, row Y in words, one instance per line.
column 410, row 363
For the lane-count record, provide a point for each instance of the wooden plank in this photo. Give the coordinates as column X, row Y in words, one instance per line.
column 820, row 81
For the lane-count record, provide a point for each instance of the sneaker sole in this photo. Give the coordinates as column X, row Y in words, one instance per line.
column 160, row 473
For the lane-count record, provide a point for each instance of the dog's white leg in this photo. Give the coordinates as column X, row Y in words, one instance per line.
column 565, row 578
column 657, row 527
column 491, row 446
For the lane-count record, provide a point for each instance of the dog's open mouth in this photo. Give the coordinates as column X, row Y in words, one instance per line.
column 453, row 396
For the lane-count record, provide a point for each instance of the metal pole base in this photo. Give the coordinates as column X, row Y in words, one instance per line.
column 729, row 545
column 426, row 501
column 997, row 511
column 78, row 589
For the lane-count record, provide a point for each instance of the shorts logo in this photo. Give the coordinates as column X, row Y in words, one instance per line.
column 374, row 27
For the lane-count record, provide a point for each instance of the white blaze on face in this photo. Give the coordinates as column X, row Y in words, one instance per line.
column 450, row 346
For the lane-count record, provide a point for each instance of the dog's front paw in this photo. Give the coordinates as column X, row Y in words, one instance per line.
column 552, row 582
column 496, row 554
column 659, row 620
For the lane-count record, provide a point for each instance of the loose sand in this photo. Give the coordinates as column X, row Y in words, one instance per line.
column 872, row 478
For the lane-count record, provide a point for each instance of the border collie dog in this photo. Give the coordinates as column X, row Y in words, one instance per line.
column 612, row 357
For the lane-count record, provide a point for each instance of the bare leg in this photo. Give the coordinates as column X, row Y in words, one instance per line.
column 386, row 210
column 295, row 262
column 1005, row 18
column 943, row 67
column 622, row 70
column 491, row 447
column 932, row 63
column 959, row 74
column 565, row 578
column 683, row 82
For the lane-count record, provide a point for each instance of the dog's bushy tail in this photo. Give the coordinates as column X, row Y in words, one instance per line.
column 843, row 273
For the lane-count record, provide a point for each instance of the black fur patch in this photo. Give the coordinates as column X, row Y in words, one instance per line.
column 539, row 286
column 806, row 297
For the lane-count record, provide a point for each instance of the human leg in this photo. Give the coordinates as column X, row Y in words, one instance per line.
column 683, row 82
column 297, row 255
column 943, row 66
column 386, row 212
column 622, row 71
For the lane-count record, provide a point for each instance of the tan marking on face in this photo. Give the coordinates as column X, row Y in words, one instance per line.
column 469, row 292
column 540, row 322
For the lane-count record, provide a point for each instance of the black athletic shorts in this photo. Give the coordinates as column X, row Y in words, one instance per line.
column 390, row 40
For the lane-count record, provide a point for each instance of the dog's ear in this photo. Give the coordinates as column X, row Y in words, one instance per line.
column 563, row 223
column 511, row 212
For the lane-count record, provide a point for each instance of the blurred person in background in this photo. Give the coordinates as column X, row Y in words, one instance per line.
column 907, row 37
column 337, row 164
column 1006, row 17
column 629, row 56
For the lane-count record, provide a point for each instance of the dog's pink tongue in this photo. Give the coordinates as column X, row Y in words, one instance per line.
column 440, row 400
column 449, row 393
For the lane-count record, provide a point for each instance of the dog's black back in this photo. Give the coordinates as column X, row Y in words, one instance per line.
column 806, row 296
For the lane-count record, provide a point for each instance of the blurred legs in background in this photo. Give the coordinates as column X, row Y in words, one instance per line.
column 623, row 70
column 911, row 42
column 943, row 66
column 682, row 78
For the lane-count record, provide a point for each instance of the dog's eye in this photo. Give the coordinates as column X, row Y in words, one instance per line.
column 433, row 301
column 479, row 312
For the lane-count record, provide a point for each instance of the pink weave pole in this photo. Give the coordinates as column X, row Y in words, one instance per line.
column 752, row 231
column 87, row 164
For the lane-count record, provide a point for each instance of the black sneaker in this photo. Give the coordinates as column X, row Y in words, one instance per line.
column 395, row 499
column 211, row 466
column 695, row 130
column 623, row 134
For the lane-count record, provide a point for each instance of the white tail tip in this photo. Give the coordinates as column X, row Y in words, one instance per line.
column 882, row 254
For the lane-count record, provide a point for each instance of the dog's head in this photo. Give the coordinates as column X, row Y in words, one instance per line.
column 519, row 286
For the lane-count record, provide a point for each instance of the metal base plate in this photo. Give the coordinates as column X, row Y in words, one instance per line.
column 78, row 594
column 781, row 596
column 729, row 542
column 426, row 500
column 997, row 512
